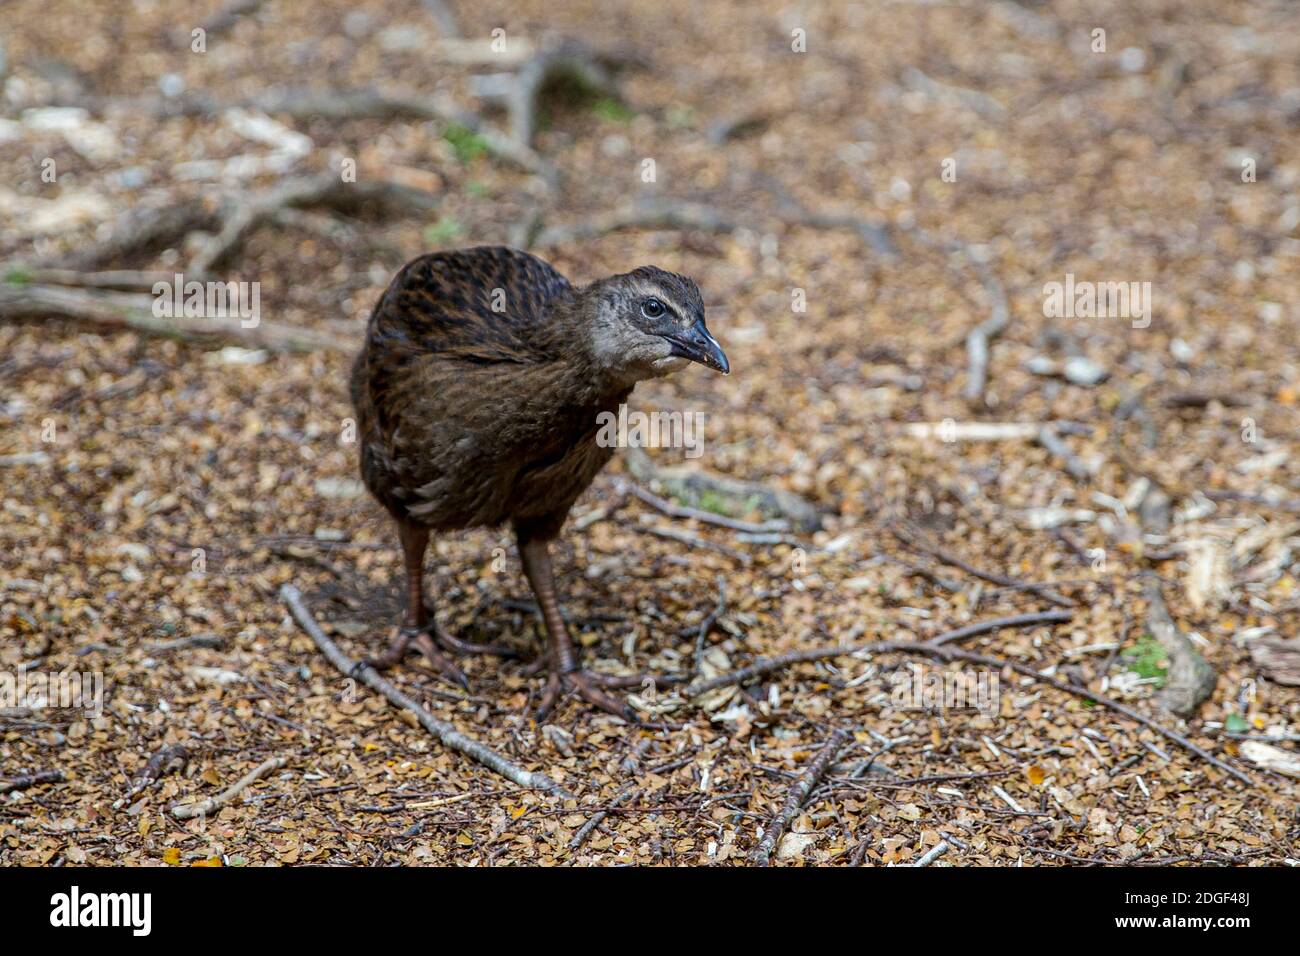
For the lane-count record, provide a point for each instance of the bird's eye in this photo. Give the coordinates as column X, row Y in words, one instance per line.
column 652, row 308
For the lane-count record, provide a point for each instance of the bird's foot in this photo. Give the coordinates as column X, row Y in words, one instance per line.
column 406, row 636
column 585, row 685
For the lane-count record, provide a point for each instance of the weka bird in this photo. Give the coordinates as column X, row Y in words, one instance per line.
column 478, row 392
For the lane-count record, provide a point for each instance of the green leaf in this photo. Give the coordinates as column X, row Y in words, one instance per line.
column 612, row 110
column 1147, row 659
column 467, row 144
column 442, row 232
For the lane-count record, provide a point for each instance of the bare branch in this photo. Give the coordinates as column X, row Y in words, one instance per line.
column 122, row 310
column 804, row 786
column 446, row 734
column 205, row 807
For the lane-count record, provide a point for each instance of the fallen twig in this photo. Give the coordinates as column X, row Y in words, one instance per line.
column 181, row 643
column 920, row 570
column 795, row 798
column 169, row 759
column 326, row 189
column 1129, row 712
column 1285, row 762
column 121, row 280
column 446, row 734
column 706, row 625
column 692, row 487
column 31, row 780
column 642, row 214
column 938, row 648
column 793, row 212
column 1075, row 466
column 767, row 665
column 947, row 557
column 228, row 16
column 954, row 431
column 693, row 541
column 563, row 61
column 707, row 517
column 996, row 624
column 346, row 104
column 589, row 827
column 980, row 103
column 205, row 807
column 682, row 215
column 938, row 850
column 977, row 341
column 142, row 230
column 124, row 310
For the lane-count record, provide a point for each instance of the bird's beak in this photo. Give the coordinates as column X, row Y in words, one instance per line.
column 698, row 345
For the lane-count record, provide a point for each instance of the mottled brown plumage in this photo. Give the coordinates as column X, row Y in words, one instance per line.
column 478, row 393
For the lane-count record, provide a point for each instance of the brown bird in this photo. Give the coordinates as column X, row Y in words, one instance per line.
column 478, row 392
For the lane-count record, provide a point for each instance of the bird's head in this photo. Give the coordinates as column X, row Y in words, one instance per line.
column 647, row 323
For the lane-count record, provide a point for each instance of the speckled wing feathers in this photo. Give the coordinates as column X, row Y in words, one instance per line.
column 468, row 414
column 478, row 305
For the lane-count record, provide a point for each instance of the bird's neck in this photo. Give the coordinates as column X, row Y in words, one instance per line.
column 569, row 341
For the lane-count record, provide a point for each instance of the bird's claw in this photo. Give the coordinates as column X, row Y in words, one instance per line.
column 585, row 685
column 439, row 661
column 419, row 636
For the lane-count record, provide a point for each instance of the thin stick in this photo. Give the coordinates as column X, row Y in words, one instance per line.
column 1075, row 466
column 766, row 665
column 795, row 798
column 707, row 517
column 977, row 342
column 947, row 557
column 978, row 339
column 936, row 649
column 997, row 623
column 937, row 851
column 1129, row 712
column 692, row 541
column 172, row 758
column 325, row 189
column 446, row 734
column 589, row 827
column 122, row 280
column 706, row 625
column 127, row 310
column 204, row 807
column 31, row 780
column 685, row 216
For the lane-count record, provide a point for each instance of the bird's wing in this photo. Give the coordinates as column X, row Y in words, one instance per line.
column 483, row 305
column 454, row 334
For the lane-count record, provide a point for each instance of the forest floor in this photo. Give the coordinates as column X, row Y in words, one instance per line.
column 851, row 212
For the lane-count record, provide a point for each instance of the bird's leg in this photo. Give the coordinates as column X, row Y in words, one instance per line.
column 565, row 673
column 415, row 627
